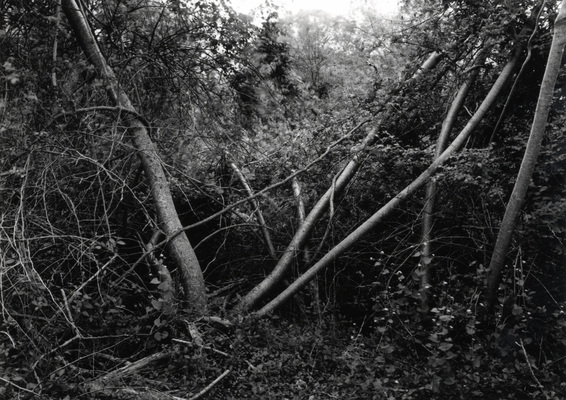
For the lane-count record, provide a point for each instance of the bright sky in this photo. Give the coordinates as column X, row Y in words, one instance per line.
column 334, row 7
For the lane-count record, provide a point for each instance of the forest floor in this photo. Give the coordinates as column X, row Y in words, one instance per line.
column 276, row 359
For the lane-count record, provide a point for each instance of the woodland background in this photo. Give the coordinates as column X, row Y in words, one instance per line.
column 198, row 203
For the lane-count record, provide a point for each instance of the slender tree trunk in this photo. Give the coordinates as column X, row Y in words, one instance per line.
column 179, row 246
column 254, row 202
column 426, row 260
column 529, row 159
column 431, row 62
column 388, row 208
column 315, row 293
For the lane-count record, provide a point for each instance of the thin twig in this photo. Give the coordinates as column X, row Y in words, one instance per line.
column 130, row 368
column 529, row 364
column 70, row 317
column 207, row 389
column 273, row 186
column 202, row 347
column 76, row 292
column 118, row 109
column 17, row 386
column 55, row 42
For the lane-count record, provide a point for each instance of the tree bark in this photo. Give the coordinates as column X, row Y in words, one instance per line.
column 431, row 62
column 529, row 159
column 256, row 209
column 179, row 247
column 388, row 208
column 301, row 214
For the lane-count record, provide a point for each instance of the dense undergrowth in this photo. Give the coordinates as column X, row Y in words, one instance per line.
column 395, row 353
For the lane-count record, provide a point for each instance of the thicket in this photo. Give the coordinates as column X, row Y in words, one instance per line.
column 83, row 302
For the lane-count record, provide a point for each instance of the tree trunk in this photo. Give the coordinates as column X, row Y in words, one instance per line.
column 431, row 62
column 256, row 209
column 179, row 246
column 315, row 293
column 529, row 159
column 388, row 208
column 425, row 265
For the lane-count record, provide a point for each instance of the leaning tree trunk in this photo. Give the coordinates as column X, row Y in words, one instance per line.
column 179, row 246
column 256, row 208
column 393, row 204
column 529, row 159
